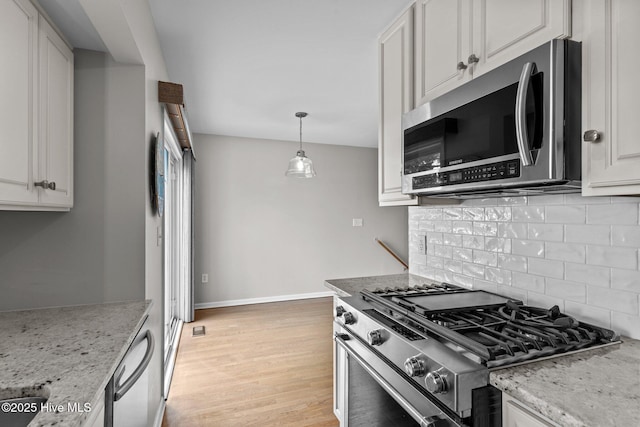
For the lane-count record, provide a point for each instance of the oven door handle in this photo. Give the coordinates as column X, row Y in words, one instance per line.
column 415, row 414
column 522, row 137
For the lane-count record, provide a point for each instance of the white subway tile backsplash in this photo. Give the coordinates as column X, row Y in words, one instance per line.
column 497, row 275
column 473, row 214
column 511, row 292
column 566, row 290
column 625, row 324
column 621, row 301
column 512, row 230
column 577, row 199
column 452, row 239
column 498, row 213
column 589, row 274
column 473, row 270
column 622, row 235
column 442, row 251
column 442, row 226
column 473, row 242
column 612, row 256
column 565, row 251
column 547, row 232
column 579, row 253
column 462, row 254
column 512, row 262
column 566, row 214
column 453, row 266
column 528, row 282
column 612, row 214
column 546, row 267
column 626, row 280
column 485, row 258
column 483, row 285
column 463, row 227
column 528, row 213
column 452, row 213
column 527, row 248
column 592, row 234
column 588, row 313
column 485, row 228
column 543, row 300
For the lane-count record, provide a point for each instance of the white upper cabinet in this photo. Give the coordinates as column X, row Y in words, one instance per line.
column 610, row 97
column 36, row 81
column 56, row 118
column 396, row 98
column 443, row 43
column 18, row 111
column 459, row 39
column 505, row 29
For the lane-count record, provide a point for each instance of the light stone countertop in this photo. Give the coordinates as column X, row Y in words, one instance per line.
column 349, row 287
column 67, row 354
column 594, row 388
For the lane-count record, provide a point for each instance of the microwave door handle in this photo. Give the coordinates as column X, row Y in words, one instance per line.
column 521, row 114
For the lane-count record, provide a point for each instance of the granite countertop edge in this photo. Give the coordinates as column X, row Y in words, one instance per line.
column 540, row 384
column 67, row 354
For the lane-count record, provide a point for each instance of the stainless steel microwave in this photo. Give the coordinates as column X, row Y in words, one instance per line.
column 513, row 130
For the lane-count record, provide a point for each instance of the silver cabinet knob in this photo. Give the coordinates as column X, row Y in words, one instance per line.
column 375, row 337
column 414, row 367
column 591, row 136
column 46, row 185
column 435, row 383
column 473, row 59
column 348, row 318
column 461, row 66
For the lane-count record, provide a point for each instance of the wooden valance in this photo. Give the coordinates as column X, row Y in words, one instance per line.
column 172, row 96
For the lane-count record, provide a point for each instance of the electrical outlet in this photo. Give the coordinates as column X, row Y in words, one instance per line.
column 357, row 222
column 422, row 245
column 205, row 278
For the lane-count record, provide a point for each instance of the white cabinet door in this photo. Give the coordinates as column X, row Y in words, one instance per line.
column 506, row 29
column 611, row 97
column 56, row 118
column 396, row 97
column 443, row 40
column 18, row 111
column 515, row 414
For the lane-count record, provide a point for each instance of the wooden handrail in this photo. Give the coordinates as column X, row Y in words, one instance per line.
column 393, row 254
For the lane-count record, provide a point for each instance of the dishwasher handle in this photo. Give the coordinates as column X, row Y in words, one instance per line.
column 121, row 390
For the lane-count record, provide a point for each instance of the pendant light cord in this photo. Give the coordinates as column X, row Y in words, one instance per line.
column 300, row 133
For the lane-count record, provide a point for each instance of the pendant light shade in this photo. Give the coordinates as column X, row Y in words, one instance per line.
column 300, row 166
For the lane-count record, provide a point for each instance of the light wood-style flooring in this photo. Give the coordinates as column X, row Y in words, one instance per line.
column 258, row 365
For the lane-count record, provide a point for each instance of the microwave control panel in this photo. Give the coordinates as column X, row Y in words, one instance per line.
column 490, row 172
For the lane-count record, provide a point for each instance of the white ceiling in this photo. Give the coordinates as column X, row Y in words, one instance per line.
column 248, row 66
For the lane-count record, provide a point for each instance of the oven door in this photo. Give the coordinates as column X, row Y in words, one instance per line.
column 369, row 392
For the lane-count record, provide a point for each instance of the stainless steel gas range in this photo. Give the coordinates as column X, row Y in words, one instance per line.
column 421, row 355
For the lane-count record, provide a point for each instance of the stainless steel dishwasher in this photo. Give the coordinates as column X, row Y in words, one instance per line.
column 127, row 394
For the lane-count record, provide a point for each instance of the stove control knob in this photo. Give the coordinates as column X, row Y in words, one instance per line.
column 375, row 337
column 415, row 367
column 349, row 318
column 435, row 382
column 340, row 311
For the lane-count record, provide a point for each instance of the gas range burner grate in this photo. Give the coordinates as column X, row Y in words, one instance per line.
column 500, row 332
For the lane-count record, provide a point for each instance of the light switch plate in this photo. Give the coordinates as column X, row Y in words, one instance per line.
column 357, row 222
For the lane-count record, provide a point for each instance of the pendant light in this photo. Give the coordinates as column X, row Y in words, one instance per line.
column 301, row 166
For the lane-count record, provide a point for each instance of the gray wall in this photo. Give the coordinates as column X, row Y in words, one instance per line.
column 260, row 234
column 95, row 252
column 580, row 253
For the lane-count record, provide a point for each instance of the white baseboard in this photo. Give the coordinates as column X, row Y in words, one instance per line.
column 248, row 301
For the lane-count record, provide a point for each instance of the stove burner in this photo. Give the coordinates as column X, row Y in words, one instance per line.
column 499, row 332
